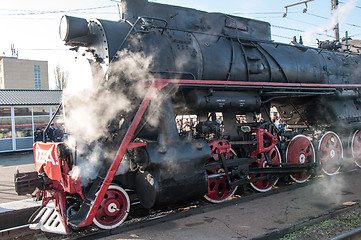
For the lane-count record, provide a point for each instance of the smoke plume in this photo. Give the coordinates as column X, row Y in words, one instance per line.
column 338, row 16
column 90, row 113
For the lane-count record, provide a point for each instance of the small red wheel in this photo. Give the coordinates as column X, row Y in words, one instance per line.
column 356, row 147
column 113, row 209
column 300, row 151
column 218, row 189
column 330, row 153
column 265, row 185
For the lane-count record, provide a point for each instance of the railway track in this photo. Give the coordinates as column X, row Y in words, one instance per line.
column 20, row 232
column 141, row 218
column 351, row 235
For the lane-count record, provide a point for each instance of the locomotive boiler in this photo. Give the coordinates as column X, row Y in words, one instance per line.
column 218, row 68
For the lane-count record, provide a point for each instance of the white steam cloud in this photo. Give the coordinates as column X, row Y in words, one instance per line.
column 88, row 112
column 330, row 187
column 338, row 16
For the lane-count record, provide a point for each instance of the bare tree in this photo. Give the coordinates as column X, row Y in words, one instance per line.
column 61, row 77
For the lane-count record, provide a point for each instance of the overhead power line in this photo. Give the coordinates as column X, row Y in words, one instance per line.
column 43, row 49
column 258, row 13
column 297, row 20
column 35, row 12
column 350, row 24
column 275, row 35
column 299, row 30
column 276, row 13
column 344, row 3
column 287, row 28
column 315, row 15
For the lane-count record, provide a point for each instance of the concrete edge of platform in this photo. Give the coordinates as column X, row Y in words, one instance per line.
column 17, row 213
column 279, row 233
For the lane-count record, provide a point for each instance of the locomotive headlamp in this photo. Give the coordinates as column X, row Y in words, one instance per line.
column 64, row 28
column 74, row 31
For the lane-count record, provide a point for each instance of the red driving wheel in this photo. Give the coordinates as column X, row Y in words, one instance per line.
column 300, row 151
column 356, row 147
column 113, row 209
column 265, row 185
column 218, row 189
column 330, row 153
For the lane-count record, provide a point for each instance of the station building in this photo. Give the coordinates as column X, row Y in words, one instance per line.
column 23, row 74
column 26, row 103
column 22, row 112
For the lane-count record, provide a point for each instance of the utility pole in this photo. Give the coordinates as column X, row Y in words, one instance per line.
column 14, row 53
column 336, row 31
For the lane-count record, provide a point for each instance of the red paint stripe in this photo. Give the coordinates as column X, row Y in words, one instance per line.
column 136, row 145
column 258, row 84
column 25, row 125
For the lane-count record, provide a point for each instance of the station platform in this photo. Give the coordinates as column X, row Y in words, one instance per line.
column 9, row 163
column 15, row 210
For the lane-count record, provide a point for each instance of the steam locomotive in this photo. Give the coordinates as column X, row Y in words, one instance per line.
column 218, row 68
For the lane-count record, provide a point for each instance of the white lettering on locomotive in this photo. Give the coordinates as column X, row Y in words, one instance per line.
column 44, row 156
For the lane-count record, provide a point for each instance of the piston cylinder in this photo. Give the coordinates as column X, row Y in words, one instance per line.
column 175, row 173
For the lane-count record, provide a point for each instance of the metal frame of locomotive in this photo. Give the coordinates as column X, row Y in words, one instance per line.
column 233, row 67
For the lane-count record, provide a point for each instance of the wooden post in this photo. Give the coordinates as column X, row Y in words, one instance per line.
column 336, row 31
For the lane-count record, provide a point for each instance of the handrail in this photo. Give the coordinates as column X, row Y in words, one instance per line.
column 51, row 120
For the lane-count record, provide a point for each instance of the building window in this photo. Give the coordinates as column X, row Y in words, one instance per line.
column 37, row 78
column 1, row 77
column 22, row 111
column 23, row 122
column 41, row 111
column 5, row 127
column 5, row 122
column 5, row 112
column 23, row 127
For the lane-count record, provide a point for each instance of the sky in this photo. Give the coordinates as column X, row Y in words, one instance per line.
column 33, row 26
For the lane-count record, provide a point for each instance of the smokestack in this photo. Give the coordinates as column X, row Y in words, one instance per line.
column 131, row 9
column 336, row 32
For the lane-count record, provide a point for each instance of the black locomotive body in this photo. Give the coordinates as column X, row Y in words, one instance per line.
column 220, row 69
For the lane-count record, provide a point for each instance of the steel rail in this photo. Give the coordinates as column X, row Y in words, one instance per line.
column 16, row 232
column 350, row 235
